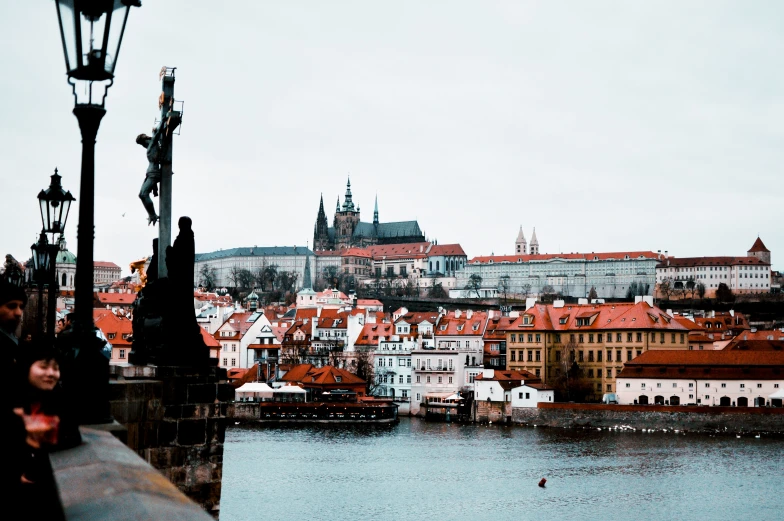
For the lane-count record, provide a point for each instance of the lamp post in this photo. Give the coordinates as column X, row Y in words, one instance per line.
column 55, row 204
column 91, row 33
column 41, row 265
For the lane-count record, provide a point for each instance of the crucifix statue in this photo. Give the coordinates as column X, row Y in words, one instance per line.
column 159, row 170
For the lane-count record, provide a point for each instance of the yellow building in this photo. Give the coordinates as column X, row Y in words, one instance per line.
column 546, row 338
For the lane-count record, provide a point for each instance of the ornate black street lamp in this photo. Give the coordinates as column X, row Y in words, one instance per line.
column 55, row 204
column 41, row 270
column 91, row 31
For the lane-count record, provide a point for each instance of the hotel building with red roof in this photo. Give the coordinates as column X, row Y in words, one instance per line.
column 729, row 378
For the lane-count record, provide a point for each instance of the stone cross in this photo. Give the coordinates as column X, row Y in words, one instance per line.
column 170, row 120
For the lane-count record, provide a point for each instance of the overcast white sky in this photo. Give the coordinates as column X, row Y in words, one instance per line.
column 609, row 126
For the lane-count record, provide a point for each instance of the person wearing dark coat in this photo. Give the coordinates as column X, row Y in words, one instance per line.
column 13, row 434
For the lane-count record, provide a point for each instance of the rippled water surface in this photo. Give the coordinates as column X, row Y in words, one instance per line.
column 423, row 471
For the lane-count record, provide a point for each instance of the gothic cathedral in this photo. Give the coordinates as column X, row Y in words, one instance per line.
column 348, row 230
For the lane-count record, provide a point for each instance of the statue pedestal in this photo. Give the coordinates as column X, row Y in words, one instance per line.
column 176, row 420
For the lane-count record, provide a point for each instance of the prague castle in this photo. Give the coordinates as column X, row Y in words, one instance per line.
column 348, row 231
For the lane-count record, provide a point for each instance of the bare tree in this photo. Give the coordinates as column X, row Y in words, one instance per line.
column 436, row 291
column 365, row 369
column 547, row 293
column 691, row 287
column 525, row 289
column 503, row 286
column 700, row 289
column 571, row 384
column 207, row 276
column 269, row 276
column 665, row 288
column 474, row 283
column 285, row 281
column 724, row 293
column 245, row 279
column 592, row 295
column 234, row 276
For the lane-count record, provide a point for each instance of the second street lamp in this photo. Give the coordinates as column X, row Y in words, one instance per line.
column 55, row 204
column 91, row 33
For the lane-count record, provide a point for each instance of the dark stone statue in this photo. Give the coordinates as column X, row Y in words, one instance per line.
column 165, row 331
column 154, row 146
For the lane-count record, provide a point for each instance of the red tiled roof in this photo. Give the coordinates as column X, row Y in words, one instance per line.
column 677, row 262
column 707, row 358
column 758, row 246
column 369, row 302
column 114, row 326
column 355, row 252
column 328, row 375
column 237, row 322
column 710, row 364
column 496, row 327
column 409, row 250
column 513, row 259
column 417, row 317
column 369, row 336
column 104, row 264
column 624, row 315
column 687, row 323
column 462, row 326
column 446, row 249
column 116, row 299
column 296, row 373
column 208, row 338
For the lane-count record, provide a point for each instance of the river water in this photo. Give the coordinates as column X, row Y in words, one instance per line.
column 423, row 471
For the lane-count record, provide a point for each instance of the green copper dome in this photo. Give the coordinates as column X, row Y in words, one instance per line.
column 65, row 257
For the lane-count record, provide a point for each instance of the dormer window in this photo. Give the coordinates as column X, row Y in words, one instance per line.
column 338, row 379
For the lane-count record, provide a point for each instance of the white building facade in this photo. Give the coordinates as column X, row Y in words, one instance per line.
column 572, row 274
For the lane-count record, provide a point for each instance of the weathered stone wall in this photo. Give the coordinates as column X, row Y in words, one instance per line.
column 496, row 412
column 688, row 419
column 176, row 419
column 101, row 479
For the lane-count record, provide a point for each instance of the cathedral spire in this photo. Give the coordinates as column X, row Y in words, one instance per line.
column 348, row 204
column 521, row 247
column 534, row 243
column 375, row 212
column 306, row 278
column 337, row 206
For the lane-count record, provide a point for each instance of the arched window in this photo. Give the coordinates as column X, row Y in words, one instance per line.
column 642, row 400
column 658, row 400
column 65, row 279
column 743, row 401
column 675, row 400
column 725, row 401
column 438, row 265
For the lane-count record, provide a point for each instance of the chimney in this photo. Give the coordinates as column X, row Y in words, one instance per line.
column 469, row 313
column 457, row 313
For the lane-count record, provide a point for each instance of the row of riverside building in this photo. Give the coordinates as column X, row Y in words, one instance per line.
column 634, row 352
